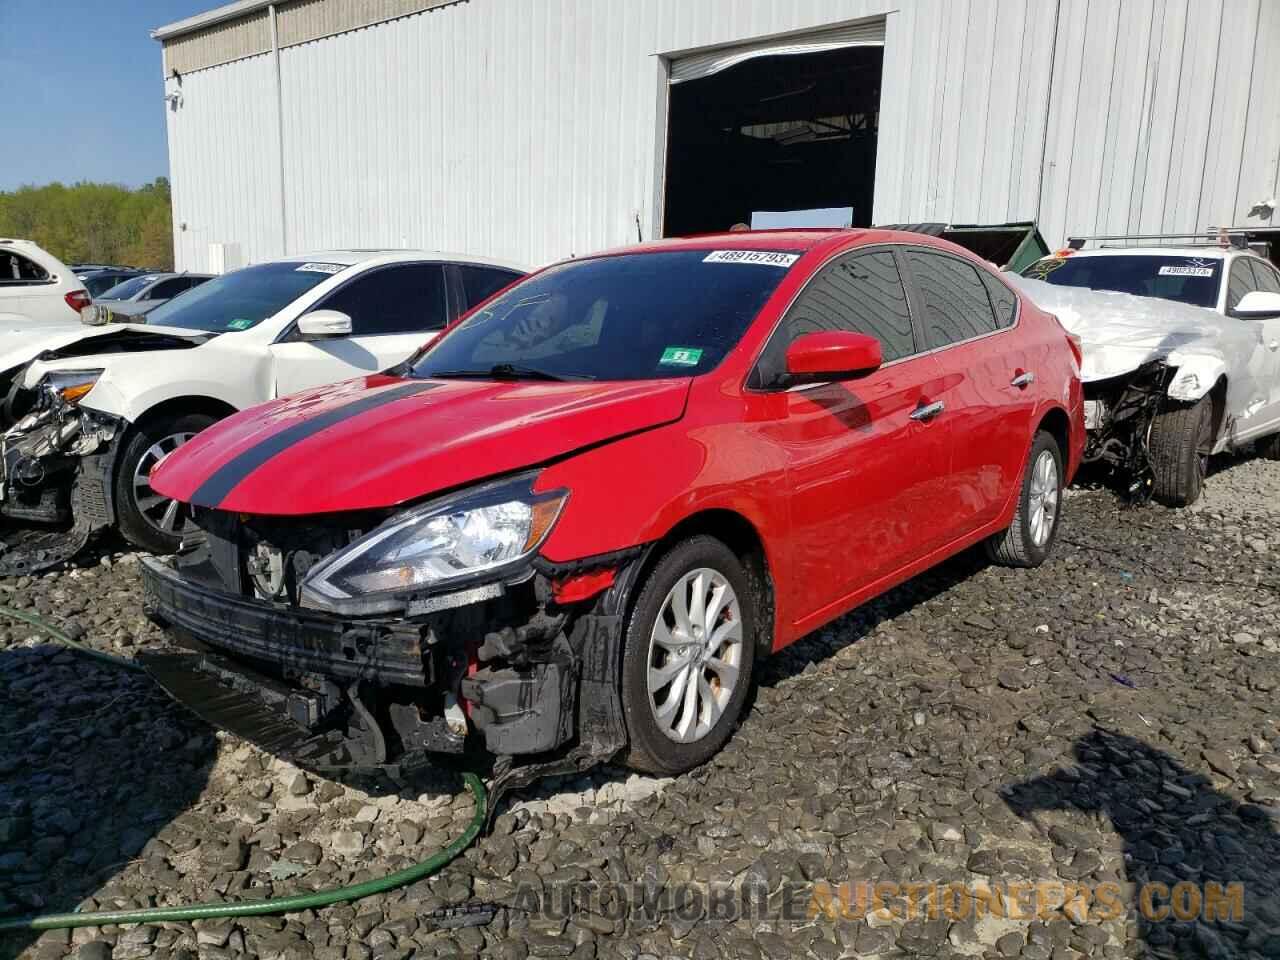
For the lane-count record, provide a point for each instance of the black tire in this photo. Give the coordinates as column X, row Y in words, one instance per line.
column 650, row 749
column 135, row 524
column 1269, row 447
column 1019, row 545
column 1181, row 438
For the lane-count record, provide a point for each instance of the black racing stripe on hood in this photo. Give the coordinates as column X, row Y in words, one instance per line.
column 225, row 479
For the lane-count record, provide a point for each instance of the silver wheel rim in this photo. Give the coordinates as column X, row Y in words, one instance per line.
column 1044, row 497
column 161, row 514
column 695, row 655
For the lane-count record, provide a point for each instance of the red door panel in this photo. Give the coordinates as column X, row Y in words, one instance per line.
column 863, row 479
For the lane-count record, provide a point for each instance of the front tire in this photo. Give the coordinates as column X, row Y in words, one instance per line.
column 1029, row 539
column 1181, row 438
column 687, row 657
column 1269, row 447
column 147, row 519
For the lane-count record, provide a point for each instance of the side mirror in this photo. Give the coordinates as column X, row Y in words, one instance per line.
column 1258, row 305
column 323, row 325
column 839, row 355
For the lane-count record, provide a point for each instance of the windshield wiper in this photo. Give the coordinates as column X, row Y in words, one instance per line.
column 506, row 371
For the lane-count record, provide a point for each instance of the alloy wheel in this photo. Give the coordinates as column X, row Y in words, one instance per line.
column 695, row 655
column 161, row 513
column 1044, row 496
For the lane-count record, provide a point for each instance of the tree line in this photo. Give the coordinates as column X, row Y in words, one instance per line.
column 94, row 222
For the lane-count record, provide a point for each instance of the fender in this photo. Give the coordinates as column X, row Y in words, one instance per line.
column 1195, row 375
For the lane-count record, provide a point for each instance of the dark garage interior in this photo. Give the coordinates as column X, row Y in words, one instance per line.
column 782, row 132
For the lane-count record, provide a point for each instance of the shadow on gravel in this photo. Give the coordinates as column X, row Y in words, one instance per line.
column 1183, row 840
column 95, row 762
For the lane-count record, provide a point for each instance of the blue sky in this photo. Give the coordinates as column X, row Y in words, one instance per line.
column 83, row 92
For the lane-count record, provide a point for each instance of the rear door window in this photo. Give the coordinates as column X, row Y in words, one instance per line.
column 956, row 304
column 405, row 298
column 480, row 283
column 166, row 289
column 1265, row 277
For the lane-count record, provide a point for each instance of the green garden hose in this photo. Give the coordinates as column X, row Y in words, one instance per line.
column 245, row 908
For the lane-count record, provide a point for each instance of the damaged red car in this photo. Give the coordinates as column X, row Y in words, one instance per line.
column 569, row 528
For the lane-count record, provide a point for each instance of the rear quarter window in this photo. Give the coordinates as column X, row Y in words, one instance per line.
column 16, row 269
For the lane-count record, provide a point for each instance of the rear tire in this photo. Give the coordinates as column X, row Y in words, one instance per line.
column 1029, row 539
column 1181, row 438
column 1269, row 447
column 146, row 519
column 685, row 677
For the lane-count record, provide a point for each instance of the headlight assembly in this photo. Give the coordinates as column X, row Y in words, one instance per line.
column 69, row 386
column 479, row 531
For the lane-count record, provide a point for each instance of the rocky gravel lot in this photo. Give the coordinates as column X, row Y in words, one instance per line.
column 1107, row 718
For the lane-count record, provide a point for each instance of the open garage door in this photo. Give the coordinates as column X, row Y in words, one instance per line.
column 784, row 125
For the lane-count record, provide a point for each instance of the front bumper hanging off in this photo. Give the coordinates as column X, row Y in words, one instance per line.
column 55, row 486
column 516, row 678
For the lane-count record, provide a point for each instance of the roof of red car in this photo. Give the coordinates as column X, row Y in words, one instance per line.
column 797, row 239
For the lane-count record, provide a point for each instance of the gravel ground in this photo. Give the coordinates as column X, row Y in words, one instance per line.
column 1104, row 719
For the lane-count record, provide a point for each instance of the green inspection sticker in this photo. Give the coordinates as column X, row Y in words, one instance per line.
column 681, row 356
column 239, row 323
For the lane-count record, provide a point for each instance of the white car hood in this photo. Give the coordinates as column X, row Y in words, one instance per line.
column 22, row 345
column 1120, row 332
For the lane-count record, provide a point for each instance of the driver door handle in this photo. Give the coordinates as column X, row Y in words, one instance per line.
column 1023, row 380
column 927, row 411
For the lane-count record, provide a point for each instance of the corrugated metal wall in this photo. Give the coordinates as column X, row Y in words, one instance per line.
column 532, row 130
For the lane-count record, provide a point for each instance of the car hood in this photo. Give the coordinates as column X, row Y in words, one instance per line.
column 1120, row 332
column 82, row 342
column 383, row 441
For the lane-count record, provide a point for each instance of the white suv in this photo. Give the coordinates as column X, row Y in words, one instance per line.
column 101, row 405
column 1181, row 355
column 37, row 287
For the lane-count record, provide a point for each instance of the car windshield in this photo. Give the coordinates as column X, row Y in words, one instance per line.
column 631, row 317
column 242, row 299
column 98, row 286
column 1191, row 280
column 130, row 288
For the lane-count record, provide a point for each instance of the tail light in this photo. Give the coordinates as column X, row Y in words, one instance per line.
column 77, row 300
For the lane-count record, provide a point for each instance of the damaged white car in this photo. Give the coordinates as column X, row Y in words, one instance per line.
column 1181, row 356
column 88, row 412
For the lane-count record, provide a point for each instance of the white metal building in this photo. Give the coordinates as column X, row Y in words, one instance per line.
column 536, row 129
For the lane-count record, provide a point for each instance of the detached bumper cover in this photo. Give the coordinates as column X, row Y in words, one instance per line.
column 298, row 639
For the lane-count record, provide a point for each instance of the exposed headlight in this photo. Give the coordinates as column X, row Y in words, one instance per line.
column 69, row 386
column 477, row 532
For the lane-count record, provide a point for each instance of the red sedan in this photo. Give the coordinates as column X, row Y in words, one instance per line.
column 570, row 526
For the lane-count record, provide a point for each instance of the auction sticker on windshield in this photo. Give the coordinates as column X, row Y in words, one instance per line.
column 322, row 268
column 1178, row 271
column 764, row 258
column 681, row 356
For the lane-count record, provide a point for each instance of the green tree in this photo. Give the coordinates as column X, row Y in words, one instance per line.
column 94, row 222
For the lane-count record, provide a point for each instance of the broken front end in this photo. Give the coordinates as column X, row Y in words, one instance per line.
column 358, row 642
column 1118, row 414
column 55, row 472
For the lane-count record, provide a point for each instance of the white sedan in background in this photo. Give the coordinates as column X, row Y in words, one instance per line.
column 91, row 415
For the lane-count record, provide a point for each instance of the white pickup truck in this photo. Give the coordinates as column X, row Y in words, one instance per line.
column 1181, row 356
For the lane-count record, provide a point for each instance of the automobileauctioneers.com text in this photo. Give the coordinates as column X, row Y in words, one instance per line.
column 886, row 900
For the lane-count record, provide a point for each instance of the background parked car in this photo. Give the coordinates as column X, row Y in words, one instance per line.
column 1181, row 356
column 37, row 285
column 640, row 472
column 98, row 282
column 134, row 298
column 102, row 405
